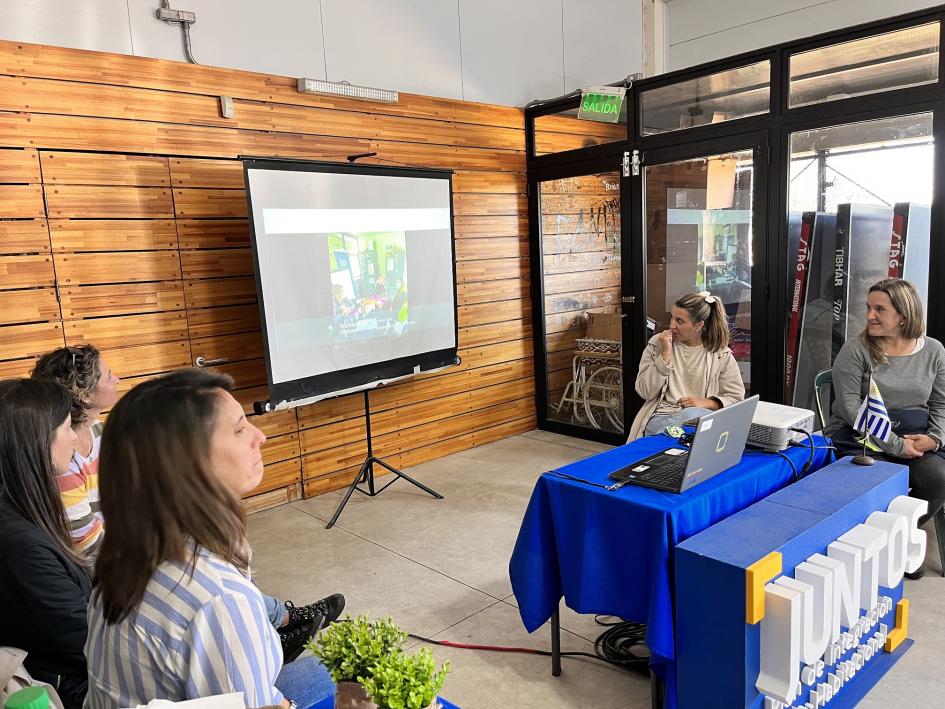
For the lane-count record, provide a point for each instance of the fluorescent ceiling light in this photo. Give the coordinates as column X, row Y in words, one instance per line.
column 343, row 88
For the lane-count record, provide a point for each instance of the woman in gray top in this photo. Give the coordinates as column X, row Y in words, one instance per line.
column 909, row 369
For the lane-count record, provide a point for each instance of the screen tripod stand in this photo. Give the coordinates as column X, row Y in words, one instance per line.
column 366, row 473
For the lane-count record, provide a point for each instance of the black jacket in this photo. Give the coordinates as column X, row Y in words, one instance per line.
column 43, row 602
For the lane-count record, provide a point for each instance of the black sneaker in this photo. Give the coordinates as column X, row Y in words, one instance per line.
column 917, row 574
column 294, row 640
column 320, row 613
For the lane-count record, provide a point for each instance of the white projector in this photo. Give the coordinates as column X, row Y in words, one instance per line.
column 772, row 424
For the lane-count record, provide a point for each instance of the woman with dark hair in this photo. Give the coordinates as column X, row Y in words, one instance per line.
column 909, row 369
column 174, row 614
column 93, row 386
column 688, row 369
column 87, row 376
column 44, row 585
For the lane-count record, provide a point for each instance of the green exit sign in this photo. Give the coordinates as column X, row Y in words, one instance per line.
column 601, row 104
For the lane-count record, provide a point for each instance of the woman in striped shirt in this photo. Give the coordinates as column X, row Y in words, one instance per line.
column 174, row 614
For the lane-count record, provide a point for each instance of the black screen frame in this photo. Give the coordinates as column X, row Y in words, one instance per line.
column 298, row 392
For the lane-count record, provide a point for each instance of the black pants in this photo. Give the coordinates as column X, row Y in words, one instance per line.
column 927, row 480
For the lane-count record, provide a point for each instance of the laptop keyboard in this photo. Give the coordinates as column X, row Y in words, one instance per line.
column 667, row 475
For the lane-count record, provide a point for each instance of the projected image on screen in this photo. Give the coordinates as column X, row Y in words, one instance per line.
column 368, row 285
column 355, row 271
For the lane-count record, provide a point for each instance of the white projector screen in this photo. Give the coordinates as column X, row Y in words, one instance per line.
column 354, row 272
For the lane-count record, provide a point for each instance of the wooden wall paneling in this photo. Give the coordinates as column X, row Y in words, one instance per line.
column 471, row 293
column 90, row 202
column 332, row 410
column 148, row 359
column 332, row 460
column 19, row 166
column 121, row 299
column 29, row 340
column 220, row 291
column 26, row 272
column 475, row 226
column 485, row 313
column 216, row 263
column 494, row 332
column 16, row 367
column 332, row 435
column 494, row 354
column 489, row 204
column 104, row 169
column 225, row 320
column 21, row 202
column 246, row 374
column 326, row 483
column 213, row 233
column 195, row 172
column 279, row 474
column 24, row 237
column 491, row 270
column 128, row 330
column 265, row 501
column 232, row 347
column 81, row 269
column 489, row 182
column 496, row 247
column 24, row 306
column 279, row 448
column 277, row 423
column 192, row 203
column 112, row 235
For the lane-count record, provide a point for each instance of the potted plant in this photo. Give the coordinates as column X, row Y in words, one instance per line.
column 401, row 681
column 349, row 649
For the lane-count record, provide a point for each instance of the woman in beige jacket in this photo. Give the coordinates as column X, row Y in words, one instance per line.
column 687, row 370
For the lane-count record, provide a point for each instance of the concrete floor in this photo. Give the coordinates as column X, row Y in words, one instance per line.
column 440, row 569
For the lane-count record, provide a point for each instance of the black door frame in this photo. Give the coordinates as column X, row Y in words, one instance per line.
column 606, row 158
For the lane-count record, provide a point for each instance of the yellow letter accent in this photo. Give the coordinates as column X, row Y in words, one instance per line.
column 756, row 576
column 897, row 635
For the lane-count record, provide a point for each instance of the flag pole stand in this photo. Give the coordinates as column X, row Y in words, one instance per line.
column 864, row 459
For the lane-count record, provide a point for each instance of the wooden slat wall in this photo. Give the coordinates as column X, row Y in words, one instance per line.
column 120, row 190
column 580, row 223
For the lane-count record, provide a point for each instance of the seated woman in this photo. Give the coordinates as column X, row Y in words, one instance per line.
column 174, row 614
column 44, row 583
column 687, row 370
column 909, row 369
column 87, row 376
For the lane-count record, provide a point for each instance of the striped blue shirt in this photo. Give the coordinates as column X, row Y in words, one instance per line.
column 191, row 636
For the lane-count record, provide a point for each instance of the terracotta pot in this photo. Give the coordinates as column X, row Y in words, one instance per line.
column 351, row 695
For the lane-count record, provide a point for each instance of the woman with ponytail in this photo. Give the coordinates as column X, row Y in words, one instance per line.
column 687, row 370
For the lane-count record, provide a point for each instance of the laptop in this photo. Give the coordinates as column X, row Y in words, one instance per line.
column 718, row 444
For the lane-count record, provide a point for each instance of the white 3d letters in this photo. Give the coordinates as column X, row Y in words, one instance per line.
column 780, row 646
column 870, row 541
column 912, row 509
column 892, row 559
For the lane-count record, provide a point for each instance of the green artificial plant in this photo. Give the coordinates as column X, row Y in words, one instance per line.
column 351, row 647
column 401, row 681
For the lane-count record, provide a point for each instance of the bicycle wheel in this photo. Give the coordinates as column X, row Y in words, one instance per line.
column 603, row 399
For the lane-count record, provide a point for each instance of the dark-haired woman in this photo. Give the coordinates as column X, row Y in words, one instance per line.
column 44, row 585
column 909, row 369
column 174, row 614
column 688, row 369
column 94, row 389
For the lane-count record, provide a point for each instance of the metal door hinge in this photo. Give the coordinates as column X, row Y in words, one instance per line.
column 631, row 163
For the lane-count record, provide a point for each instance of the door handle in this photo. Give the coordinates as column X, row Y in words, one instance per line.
column 202, row 361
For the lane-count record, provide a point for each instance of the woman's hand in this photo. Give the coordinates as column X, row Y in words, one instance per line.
column 921, row 442
column 710, row 404
column 910, row 447
column 666, row 345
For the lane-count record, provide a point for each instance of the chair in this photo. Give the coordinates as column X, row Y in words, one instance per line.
column 823, row 382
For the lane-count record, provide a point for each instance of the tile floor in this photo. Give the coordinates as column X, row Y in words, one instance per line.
column 440, row 569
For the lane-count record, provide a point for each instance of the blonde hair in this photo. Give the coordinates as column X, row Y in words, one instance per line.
column 707, row 308
column 906, row 301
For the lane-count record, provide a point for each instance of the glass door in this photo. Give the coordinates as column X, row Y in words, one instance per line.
column 581, row 387
column 702, row 218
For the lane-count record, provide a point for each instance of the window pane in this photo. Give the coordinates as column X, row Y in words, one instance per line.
column 724, row 96
column 895, row 60
column 580, row 237
column 699, row 237
column 562, row 131
column 859, row 208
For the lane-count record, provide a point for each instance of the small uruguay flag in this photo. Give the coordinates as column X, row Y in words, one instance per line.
column 872, row 418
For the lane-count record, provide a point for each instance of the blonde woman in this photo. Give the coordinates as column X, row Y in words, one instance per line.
column 909, row 369
column 688, row 369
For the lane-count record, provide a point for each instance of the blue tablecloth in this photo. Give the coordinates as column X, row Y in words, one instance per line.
column 329, row 703
column 611, row 552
